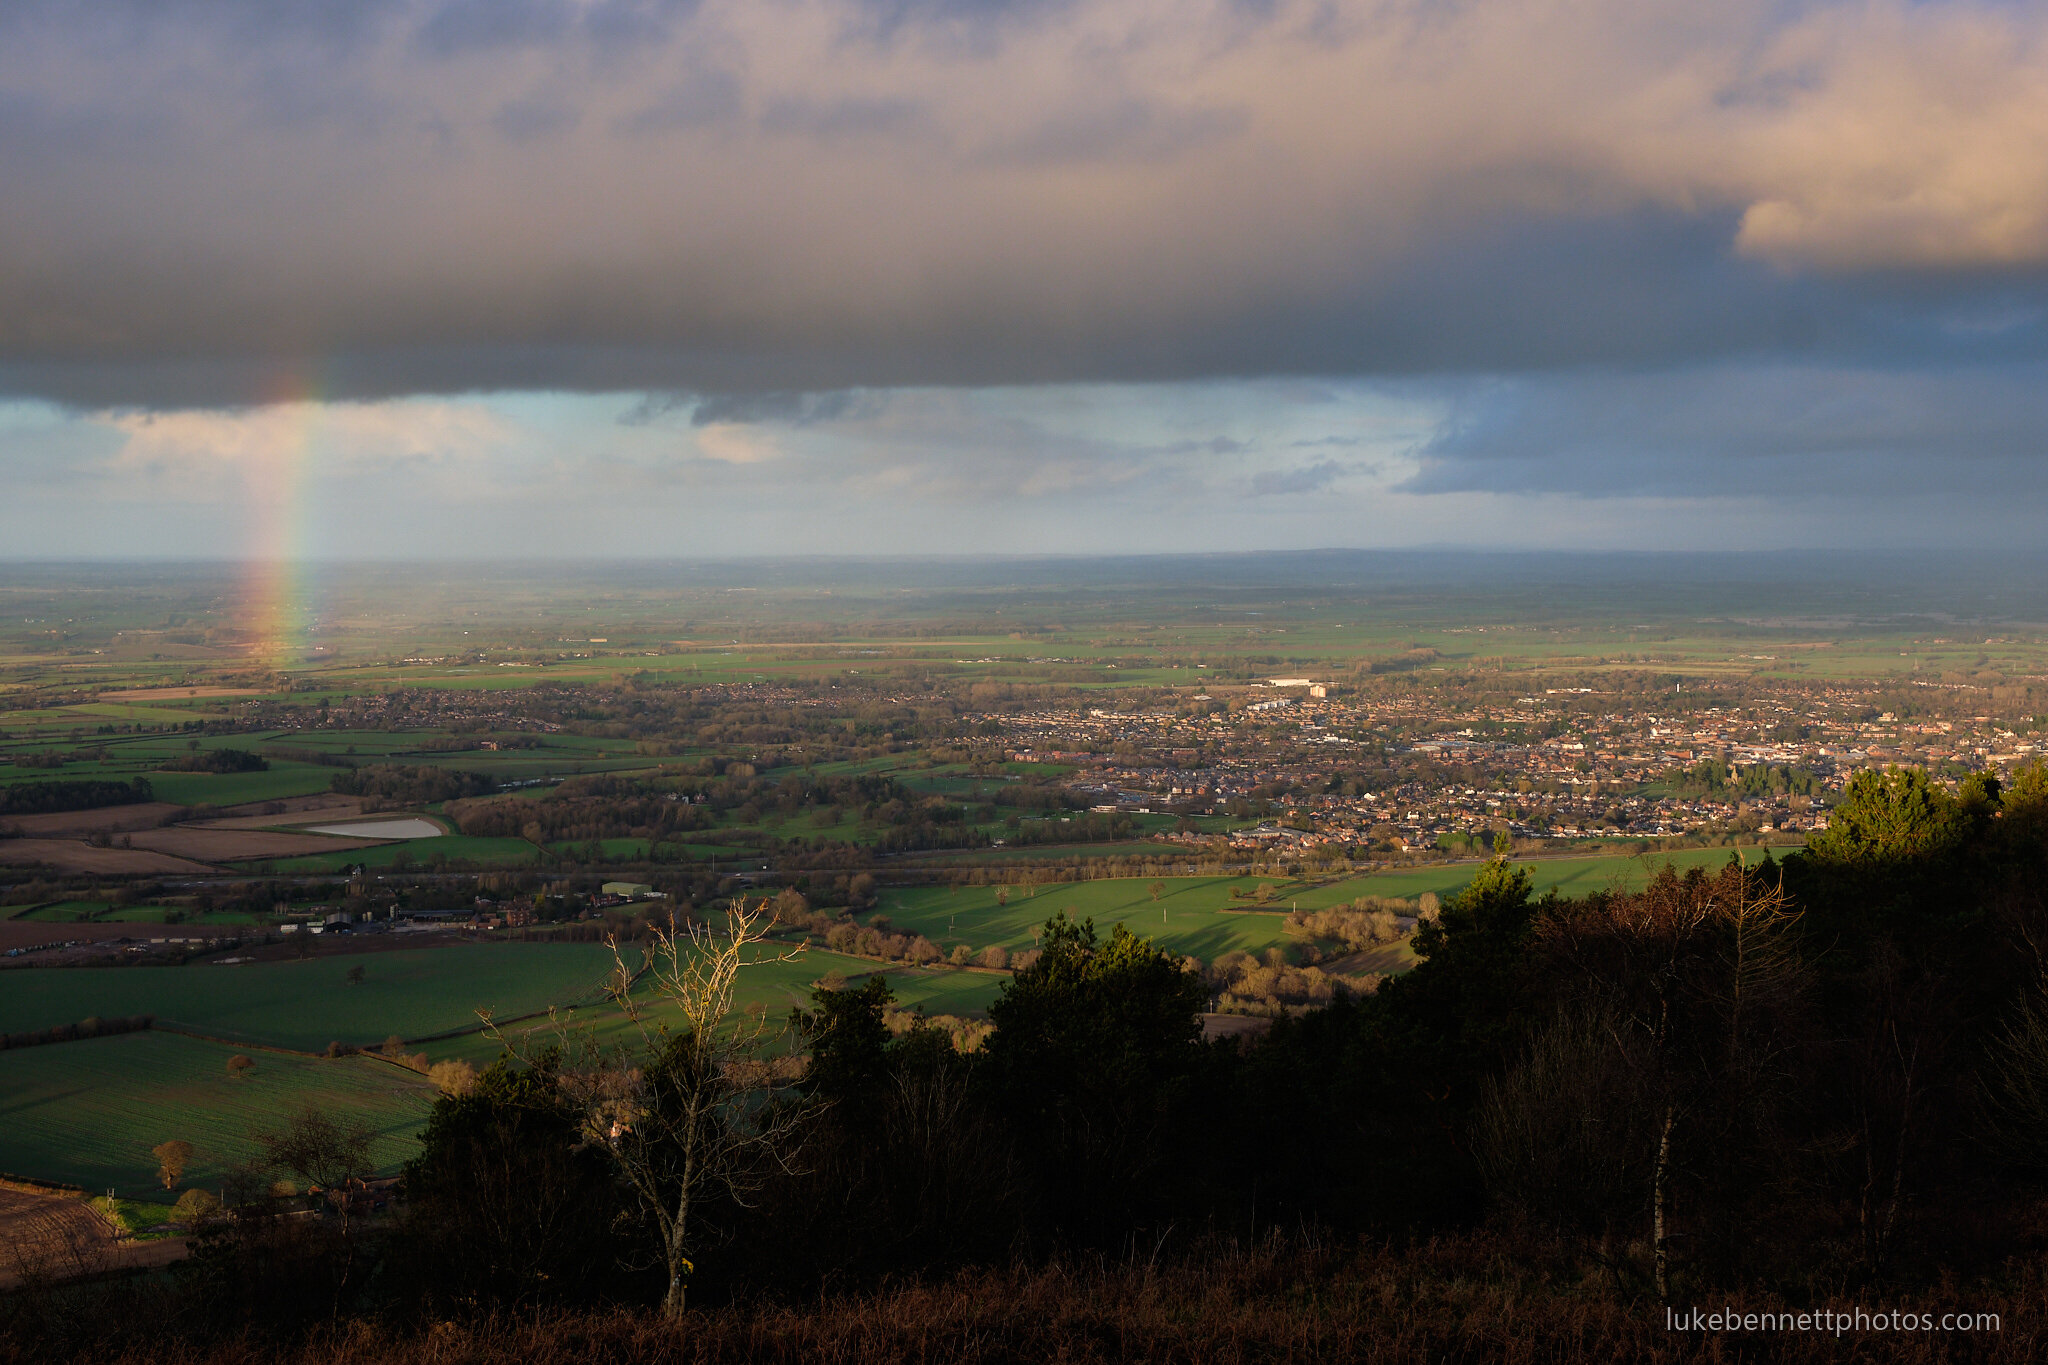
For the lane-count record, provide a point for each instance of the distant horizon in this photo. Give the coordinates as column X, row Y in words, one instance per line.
column 1437, row 550
column 1074, row 279
column 1810, row 588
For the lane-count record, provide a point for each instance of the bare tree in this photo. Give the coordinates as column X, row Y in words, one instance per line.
column 690, row 1106
column 321, row 1149
column 1694, row 981
column 2016, row 1076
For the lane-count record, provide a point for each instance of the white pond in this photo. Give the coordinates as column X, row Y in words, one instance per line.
column 381, row 829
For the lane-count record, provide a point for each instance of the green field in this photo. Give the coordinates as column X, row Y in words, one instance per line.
column 1567, row 876
column 1197, row 914
column 103, row 912
column 305, row 1005
column 495, row 852
column 613, row 850
column 776, row 987
column 88, row 1112
column 234, row 789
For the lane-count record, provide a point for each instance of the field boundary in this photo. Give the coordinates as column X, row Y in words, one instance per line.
column 28, row 1184
column 646, row 961
column 445, row 1034
column 25, row 911
column 192, row 1031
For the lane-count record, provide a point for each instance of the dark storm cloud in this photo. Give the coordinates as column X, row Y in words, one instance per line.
column 217, row 203
column 1743, row 430
column 781, row 407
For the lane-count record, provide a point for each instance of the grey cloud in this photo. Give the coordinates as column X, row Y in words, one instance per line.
column 539, row 116
column 1729, row 430
column 707, row 98
column 1215, row 445
column 207, row 202
column 1312, row 478
column 466, row 27
column 853, row 116
column 1128, row 129
column 976, row 24
column 792, row 409
column 782, row 408
column 469, row 28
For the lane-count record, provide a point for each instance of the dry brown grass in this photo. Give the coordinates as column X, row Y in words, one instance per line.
column 1449, row 1302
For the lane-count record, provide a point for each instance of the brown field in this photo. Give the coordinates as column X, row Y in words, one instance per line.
column 1387, row 958
column 333, row 808
column 319, row 803
column 1216, row 1026
column 43, row 1233
column 180, row 693
column 76, row 824
column 223, row 845
column 28, row 933
column 69, row 855
column 50, row 1235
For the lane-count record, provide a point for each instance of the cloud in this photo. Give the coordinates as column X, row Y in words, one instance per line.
column 796, row 409
column 1824, row 434
column 536, row 116
column 721, row 196
column 733, row 444
column 1313, row 478
column 1739, row 456
column 192, row 447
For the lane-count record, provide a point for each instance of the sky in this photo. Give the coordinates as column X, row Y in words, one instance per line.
column 564, row 278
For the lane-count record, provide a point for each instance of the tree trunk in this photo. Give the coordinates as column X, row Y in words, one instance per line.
column 673, row 1246
column 1659, row 1242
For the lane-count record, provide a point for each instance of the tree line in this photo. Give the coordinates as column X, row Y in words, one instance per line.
column 1797, row 1079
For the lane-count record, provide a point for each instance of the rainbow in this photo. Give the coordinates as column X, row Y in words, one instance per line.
column 276, row 599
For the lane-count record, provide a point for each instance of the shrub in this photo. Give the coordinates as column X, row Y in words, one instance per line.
column 457, row 1077
column 91, row 1027
column 195, row 1207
